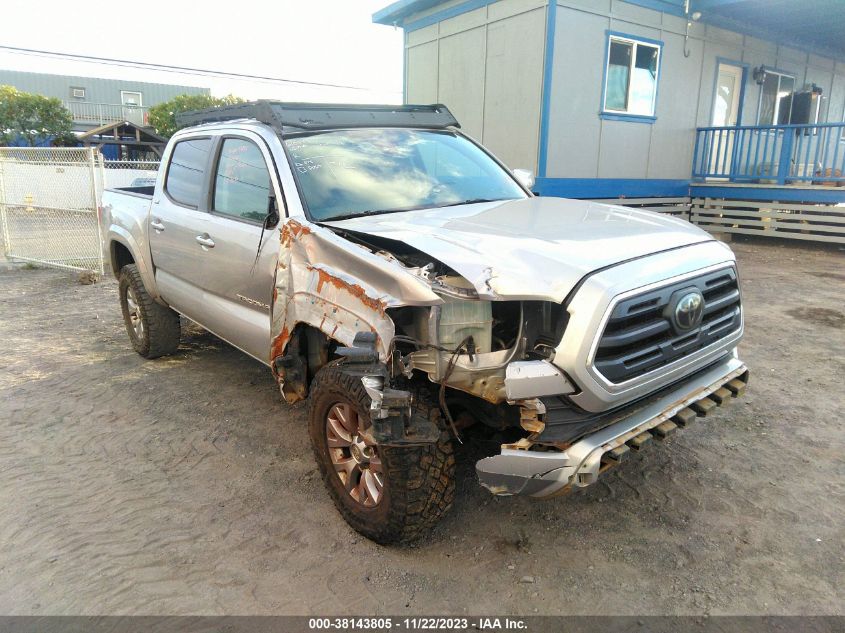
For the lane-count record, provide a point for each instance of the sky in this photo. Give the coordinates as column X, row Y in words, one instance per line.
column 326, row 41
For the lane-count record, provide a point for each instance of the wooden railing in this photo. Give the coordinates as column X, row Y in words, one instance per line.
column 102, row 113
column 771, row 154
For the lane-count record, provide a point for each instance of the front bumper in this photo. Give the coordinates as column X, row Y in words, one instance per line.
column 547, row 473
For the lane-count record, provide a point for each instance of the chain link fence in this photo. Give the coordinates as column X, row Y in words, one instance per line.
column 49, row 201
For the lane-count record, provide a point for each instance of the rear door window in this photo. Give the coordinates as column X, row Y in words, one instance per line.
column 186, row 172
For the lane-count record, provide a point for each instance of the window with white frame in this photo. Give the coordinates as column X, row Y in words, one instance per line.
column 130, row 98
column 774, row 108
column 631, row 74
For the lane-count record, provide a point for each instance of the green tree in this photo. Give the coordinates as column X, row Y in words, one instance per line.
column 33, row 118
column 163, row 116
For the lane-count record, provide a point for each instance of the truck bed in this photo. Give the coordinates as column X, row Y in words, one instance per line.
column 141, row 192
column 125, row 213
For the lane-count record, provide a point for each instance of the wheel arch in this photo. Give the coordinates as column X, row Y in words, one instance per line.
column 122, row 245
column 298, row 354
column 119, row 256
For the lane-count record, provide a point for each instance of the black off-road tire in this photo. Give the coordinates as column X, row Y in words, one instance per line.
column 161, row 328
column 419, row 486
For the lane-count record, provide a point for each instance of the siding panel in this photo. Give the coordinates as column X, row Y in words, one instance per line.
column 421, row 73
column 574, row 125
column 672, row 138
column 624, row 150
column 514, row 87
column 461, row 80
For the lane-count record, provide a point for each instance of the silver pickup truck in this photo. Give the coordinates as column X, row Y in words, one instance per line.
column 397, row 275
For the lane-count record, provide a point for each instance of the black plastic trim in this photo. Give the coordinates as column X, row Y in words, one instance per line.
column 641, row 335
column 296, row 117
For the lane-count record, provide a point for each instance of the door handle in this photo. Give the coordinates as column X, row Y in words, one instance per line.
column 205, row 241
column 156, row 224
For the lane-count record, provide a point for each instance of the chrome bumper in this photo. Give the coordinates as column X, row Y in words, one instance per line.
column 544, row 474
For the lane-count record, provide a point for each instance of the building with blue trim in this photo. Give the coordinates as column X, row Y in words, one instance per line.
column 640, row 99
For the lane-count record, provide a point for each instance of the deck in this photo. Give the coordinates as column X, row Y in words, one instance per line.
column 811, row 154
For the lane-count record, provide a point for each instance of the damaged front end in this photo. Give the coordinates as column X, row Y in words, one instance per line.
column 403, row 323
column 327, row 291
column 425, row 320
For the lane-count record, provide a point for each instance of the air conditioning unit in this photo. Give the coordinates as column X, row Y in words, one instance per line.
column 800, row 107
column 78, row 93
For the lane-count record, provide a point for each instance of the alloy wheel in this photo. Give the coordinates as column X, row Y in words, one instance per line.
column 135, row 318
column 354, row 455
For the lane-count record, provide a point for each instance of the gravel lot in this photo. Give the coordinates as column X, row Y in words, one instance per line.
column 184, row 485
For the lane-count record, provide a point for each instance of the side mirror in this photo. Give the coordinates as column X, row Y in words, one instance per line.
column 525, row 177
column 272, row 218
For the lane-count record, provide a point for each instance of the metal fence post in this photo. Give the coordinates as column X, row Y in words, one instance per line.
column 4, row 225
column 101, row 174
column 96, row 202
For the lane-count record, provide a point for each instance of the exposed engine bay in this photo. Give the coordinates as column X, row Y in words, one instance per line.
column 467, row 343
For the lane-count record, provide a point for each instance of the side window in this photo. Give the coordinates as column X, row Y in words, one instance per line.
column 186, row 172
column 631, row 76
column 242, row 181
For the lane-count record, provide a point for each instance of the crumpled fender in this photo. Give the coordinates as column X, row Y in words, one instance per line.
column 338, row 287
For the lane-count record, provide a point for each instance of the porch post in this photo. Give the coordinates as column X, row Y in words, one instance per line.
column 785, row 160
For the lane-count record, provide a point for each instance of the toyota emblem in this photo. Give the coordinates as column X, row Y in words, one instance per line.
column 689, row 310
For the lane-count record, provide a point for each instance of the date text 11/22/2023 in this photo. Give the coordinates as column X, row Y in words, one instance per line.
column 418, row 624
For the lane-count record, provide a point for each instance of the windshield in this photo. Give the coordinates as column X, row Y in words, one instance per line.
column 346, row 173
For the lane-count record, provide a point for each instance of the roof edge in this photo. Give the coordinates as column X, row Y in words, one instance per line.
column 394, row 14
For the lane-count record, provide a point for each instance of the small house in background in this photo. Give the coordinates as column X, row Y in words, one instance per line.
column 125, row 141
column 94, row 102
column 733, row 107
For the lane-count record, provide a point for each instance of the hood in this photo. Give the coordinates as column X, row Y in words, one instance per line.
column 534, row 248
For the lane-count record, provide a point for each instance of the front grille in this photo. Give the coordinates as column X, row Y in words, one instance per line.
column 640, row 335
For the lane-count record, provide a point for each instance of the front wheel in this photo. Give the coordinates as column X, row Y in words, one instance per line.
column 153, row 329
column 388, row 494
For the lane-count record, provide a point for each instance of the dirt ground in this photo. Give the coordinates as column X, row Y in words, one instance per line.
column 185, row 486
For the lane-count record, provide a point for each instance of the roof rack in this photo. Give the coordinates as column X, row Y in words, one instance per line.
column 298, row 117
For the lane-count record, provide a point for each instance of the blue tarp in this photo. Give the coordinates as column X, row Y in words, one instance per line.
column 44, row 141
